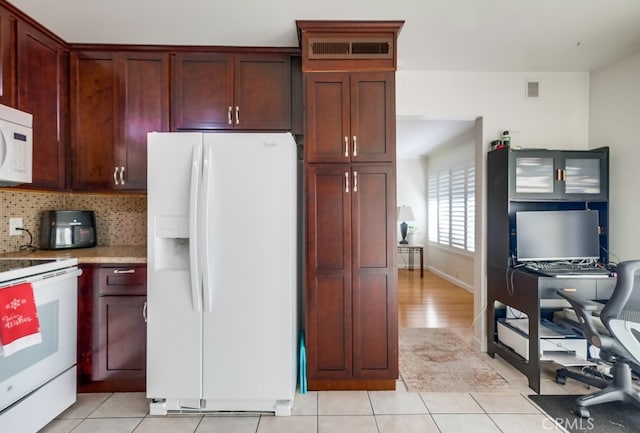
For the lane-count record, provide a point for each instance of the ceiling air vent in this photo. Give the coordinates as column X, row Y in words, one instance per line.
column 324, row 48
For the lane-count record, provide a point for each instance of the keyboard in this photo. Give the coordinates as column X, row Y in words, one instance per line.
column 569, row 270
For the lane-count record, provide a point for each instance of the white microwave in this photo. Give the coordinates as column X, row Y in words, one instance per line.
column 16, row 146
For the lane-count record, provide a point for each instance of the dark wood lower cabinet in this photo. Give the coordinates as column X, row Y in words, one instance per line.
column 112, row 329
column 120, row 348
column 351, row 299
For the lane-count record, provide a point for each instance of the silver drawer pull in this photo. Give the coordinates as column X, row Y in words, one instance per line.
column 124, row 271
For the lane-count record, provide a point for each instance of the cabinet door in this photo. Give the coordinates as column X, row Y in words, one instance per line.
column 585, row 175
column 373, row 117
column 350, row 117
column 375, row 332
column 120, row 349
column 93, row 125
column 327, row 116
column 7, row 59
column 534, row 174
column 328, row 300
column 144, row 96
column 42, row 91
column 202, row 91
column 262, row 92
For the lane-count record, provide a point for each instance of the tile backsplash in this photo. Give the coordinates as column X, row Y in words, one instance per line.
column 120, row 219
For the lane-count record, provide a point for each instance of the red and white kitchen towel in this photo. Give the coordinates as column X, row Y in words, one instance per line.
column 19, row 325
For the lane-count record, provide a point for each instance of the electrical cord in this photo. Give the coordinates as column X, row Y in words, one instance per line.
column 611, row 265
column 29, row 246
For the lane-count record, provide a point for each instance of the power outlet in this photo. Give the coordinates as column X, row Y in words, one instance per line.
column 14, row 224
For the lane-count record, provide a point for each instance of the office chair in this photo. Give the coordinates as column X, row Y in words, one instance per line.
column 621, row 346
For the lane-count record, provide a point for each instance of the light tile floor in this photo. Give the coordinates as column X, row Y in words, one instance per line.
column 337, row 412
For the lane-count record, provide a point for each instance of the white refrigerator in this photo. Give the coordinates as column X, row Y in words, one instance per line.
column 222, row 283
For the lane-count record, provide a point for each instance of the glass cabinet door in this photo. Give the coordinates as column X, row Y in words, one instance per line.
column 534, row 175
column 558, row 175
column 582, row 176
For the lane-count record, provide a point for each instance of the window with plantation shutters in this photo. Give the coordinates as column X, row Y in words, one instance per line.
column 458, row 204
column 470, row 208
column 452, row 207
column 443, row 208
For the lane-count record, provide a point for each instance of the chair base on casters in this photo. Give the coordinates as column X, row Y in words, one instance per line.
column 620, row 390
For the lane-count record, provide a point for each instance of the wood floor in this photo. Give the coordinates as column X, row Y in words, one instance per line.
column 432, row 302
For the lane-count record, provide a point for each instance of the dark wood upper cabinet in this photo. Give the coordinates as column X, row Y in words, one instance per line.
column 7, row 57
column 116, row 98
column 144, row 92
column 43, row 92
column 350, row 117
column 231, row 91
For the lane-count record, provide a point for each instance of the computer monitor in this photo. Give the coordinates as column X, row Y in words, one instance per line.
column 557, row 235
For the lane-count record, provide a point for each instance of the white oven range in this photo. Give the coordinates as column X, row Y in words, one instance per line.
column 37, row 383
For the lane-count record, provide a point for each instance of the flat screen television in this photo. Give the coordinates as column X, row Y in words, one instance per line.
column 557, row 235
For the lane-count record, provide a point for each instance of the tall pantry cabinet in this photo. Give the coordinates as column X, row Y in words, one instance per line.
column 351, row 323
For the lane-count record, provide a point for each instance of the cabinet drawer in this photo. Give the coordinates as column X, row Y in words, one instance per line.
column 585, row 287
column 122, row 280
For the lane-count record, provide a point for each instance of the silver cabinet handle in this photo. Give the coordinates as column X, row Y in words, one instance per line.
column 144, row 311
column 355, row 181
column 346, row 147
column 118, row 175
column 124, row 271
column 229, row 116
column 355, row 146
column 237, row 115
column 346, row 181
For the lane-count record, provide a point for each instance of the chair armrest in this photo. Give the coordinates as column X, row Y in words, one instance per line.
column 584, row 309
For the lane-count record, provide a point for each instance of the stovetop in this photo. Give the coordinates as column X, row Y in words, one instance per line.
column 13, row 269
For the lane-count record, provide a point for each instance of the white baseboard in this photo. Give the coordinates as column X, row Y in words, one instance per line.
column 451, row 279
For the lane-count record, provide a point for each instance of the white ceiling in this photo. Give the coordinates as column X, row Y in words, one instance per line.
column 470, row 35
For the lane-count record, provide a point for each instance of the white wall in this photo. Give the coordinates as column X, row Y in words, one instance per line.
column 411, row 188
column 614, row 121
column 557, row 119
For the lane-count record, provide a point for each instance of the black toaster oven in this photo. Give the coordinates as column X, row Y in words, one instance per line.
column 67, row 229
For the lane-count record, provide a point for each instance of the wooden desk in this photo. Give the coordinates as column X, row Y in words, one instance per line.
column 412, row 249
column 524, row 291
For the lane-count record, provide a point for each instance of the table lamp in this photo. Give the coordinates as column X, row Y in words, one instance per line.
column 405, row 213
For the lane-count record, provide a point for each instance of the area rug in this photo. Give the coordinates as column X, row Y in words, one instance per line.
column 435, row 359
column 604, row 418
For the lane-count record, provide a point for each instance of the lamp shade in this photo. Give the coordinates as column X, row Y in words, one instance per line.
column 405, row 213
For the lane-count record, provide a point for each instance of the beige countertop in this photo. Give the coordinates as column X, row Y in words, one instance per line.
column 110, row 254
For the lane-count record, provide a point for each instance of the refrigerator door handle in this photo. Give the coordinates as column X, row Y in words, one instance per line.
column 207, row 284
column 194, row 230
